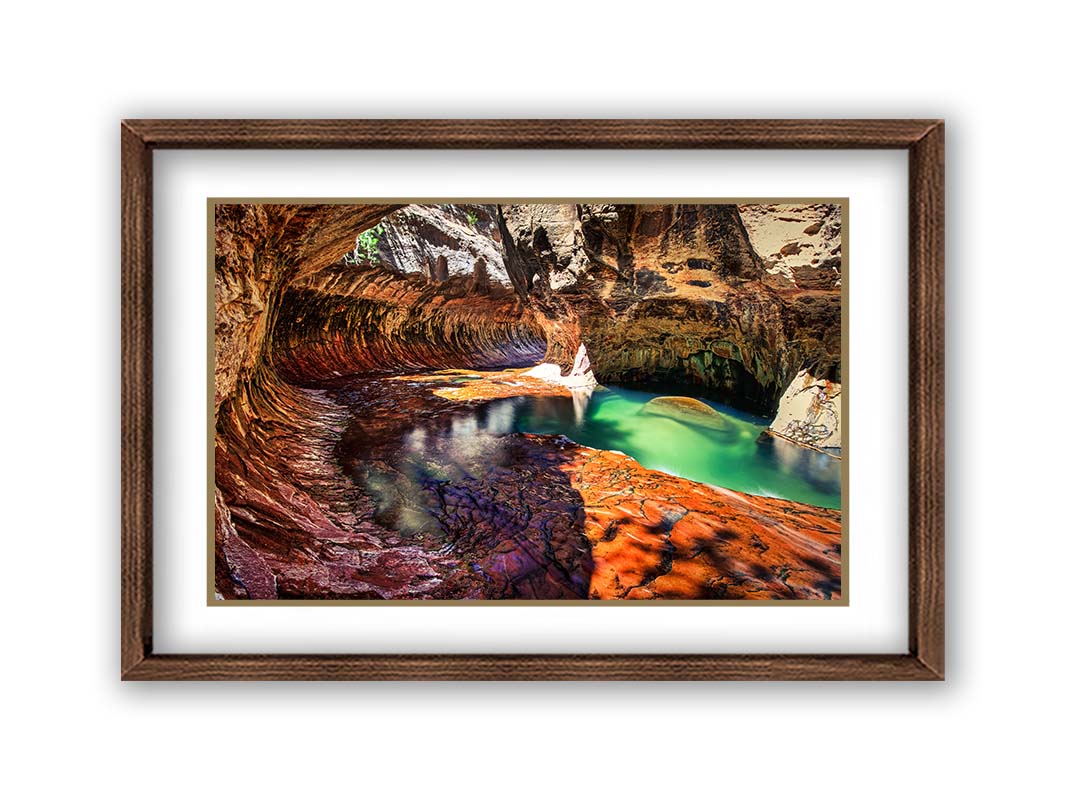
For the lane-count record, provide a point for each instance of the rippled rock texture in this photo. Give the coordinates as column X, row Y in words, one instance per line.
column 326, row 362
column 282, row 502
column 342, row 321
column 259, row 250
column 658, row 536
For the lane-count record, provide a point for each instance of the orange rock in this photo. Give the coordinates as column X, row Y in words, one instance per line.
column 674, row 538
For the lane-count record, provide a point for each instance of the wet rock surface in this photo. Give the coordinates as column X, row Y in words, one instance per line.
column 658, row 536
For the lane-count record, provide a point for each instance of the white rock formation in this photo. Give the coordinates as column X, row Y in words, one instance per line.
column 581, row 374
column 809, row 413
column 796, row 241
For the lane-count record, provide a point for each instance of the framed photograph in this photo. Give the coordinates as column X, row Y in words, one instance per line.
column 532, row 399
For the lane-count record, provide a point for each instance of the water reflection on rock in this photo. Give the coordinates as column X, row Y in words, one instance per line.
column 494, row 504
column 580, row 396
column 820, row 469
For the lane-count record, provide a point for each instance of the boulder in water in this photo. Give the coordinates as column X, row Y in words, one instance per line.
column 581, row 376
column 546, row 372
column 687, row 410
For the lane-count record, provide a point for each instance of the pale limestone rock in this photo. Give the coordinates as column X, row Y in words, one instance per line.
column 802, row 243
column 809, row 413
column 581, row 376
column 546, row 372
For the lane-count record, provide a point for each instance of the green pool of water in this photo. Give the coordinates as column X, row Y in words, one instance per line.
column 611, row 419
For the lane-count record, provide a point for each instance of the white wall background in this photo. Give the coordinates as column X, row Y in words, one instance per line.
column 70, row 73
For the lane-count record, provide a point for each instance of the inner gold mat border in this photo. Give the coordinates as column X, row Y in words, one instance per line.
column 843, row 601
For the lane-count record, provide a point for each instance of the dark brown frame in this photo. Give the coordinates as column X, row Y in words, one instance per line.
column 925, row 143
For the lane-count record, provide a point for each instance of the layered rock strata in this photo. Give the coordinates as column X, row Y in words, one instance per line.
column 350, row 321
column 286, row 318
column 259, row 250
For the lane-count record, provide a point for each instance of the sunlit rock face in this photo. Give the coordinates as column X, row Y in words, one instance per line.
column 655, row 536
column 438, row 241
column 800, row 244
column 648, row 249
column 670, row 295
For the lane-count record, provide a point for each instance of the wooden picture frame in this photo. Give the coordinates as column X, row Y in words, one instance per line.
column 924, row 141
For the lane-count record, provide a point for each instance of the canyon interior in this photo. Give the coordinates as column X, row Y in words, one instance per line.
column 528, row 401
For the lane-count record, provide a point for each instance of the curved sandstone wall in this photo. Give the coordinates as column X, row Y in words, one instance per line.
column 289, row 314
column 343, row 322
column 259, row 250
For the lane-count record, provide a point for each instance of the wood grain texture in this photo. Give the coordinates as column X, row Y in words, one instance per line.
column 926, row 479
column 531, row 667
column 136, row 325
column 530, row 133
column 924, row 140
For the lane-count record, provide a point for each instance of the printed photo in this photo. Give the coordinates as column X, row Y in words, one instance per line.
column 562, row 401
